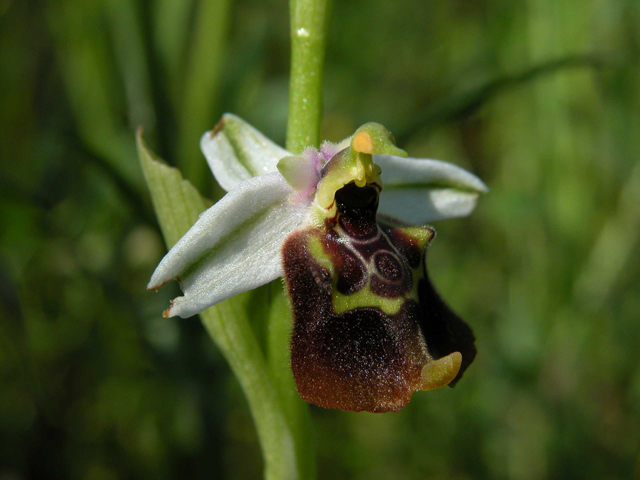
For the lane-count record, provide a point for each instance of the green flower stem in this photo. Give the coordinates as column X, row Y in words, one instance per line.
column 280, row 427
column 309, row 20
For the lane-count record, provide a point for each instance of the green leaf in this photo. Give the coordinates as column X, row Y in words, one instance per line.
column 201, row 85
column 125, row 24
column 86, row 68
column 177, row 204
column 171, row 28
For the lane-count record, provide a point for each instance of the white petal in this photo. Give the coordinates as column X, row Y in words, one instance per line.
column 233, row 247
column 419, row 191
column 236, row 151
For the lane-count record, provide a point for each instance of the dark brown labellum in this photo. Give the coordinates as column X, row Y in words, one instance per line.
column 368, row 324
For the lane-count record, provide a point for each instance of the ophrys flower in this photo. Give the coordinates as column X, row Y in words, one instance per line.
column 369, row 329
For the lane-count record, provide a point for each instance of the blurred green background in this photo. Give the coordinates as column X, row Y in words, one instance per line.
column 540, row 98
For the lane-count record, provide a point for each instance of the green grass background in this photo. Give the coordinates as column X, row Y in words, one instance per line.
column 540, row 98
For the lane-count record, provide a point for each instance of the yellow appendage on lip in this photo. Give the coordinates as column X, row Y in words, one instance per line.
column 439, row 373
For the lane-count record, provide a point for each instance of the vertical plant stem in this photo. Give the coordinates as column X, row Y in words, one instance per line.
column 309, row 20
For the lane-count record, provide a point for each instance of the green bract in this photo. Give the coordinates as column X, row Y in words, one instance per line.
column 369, row 329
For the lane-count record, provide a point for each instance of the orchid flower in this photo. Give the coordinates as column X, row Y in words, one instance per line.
column 369, row 328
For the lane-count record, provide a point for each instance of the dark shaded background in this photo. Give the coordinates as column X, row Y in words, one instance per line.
column 540, row 98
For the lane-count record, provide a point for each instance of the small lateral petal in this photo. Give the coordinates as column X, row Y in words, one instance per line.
column 302, row 171
column 233, row 247
column 236, row 151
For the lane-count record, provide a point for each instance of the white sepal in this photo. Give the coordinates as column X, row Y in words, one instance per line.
column 418, row 191
column 233, row 247
column 236, row 151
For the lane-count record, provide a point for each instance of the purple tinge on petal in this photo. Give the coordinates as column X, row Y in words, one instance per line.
column 302, row 172
column 328, row 150
column 315, row 159
column 315, row 163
